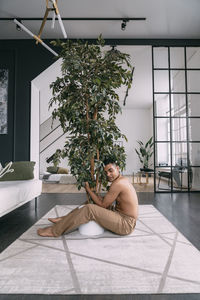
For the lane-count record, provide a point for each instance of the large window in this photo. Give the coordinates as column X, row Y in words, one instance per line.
column 176, row 92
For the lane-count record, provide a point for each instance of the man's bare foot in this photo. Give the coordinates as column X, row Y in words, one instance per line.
column 47, row 231
column 54, row 220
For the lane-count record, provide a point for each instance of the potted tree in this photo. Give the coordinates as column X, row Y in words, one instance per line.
column 144, row 153
column 87, row 104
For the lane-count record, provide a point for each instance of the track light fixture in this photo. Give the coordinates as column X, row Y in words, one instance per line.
column 78, row 19
column 34, row 36
column 123, row 25
column 17, row 26
column 56, row 13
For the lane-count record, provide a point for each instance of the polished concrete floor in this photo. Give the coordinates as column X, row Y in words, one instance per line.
column 181, row 209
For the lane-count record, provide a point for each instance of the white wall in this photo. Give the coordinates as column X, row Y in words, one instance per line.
column 42, row 82
column 35, row 129
column 40, row 112
column 136, row 124
column 140, row 93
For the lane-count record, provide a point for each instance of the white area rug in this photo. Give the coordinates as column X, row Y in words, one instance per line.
column 156, row 258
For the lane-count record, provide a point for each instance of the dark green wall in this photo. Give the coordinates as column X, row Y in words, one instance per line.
column 25, row 62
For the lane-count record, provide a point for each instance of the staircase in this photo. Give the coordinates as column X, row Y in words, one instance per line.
column 51, row 139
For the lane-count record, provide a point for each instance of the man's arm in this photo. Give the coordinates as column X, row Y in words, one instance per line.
column 109, row 198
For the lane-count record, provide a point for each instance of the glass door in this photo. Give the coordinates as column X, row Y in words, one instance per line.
column 176, row 94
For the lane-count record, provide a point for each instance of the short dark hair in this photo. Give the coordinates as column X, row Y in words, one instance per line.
column 110, row 160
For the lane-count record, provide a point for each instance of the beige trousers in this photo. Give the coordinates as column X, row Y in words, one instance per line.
column 111, row 220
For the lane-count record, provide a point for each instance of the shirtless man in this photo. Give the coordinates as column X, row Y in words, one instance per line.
column 121, row 220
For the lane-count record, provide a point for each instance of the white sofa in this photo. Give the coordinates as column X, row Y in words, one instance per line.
column 15, row 193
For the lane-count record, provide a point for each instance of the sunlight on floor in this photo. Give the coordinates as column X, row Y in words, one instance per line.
column 72, row 188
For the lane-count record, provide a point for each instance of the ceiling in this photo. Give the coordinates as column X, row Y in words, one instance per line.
column 177, row 19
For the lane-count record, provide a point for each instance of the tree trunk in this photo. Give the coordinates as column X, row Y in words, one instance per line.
column 92, row 159
column 97, row 177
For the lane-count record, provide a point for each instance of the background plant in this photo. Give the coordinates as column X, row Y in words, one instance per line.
column 55, row 158
column 87, row 105
column 145, row 152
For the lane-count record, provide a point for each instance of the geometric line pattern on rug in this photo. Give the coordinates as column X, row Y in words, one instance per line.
column 20, row 252
column 155, row 233
column 93, row 258
column 71, row 267
column 166, row 269
column 155, row 258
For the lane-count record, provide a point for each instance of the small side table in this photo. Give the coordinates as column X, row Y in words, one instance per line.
column 138, row 175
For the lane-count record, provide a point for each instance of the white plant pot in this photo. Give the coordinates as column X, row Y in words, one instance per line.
column 91, row 228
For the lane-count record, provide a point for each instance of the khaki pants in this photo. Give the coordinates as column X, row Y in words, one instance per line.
column 111, row 220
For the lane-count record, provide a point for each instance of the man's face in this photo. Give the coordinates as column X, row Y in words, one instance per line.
column 112, row 172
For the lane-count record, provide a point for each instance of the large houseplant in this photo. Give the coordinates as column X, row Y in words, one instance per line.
column 87, row 105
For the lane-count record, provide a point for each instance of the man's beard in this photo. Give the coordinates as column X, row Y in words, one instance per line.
column 111, row 179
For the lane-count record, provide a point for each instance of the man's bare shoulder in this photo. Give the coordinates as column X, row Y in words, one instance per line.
column 120, row 182
column 123, row 180
column 123, row 184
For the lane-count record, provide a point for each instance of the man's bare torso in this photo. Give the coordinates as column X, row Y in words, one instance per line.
column 126, row 201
